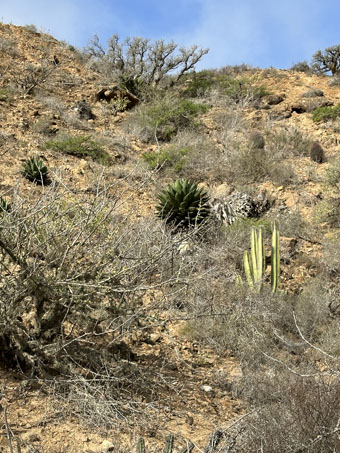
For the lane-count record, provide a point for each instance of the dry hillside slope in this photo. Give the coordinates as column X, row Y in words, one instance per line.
column 117, row 326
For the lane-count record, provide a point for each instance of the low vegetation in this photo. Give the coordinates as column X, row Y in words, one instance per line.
column 80, row 146
column 326, row 113
column 162, row 119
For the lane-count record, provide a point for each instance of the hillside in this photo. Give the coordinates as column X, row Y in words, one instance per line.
column 116, row 326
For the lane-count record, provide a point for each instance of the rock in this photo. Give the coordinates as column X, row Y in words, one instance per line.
column 115, row 93
column 315, row 103
column 280, row 114
column 312, row 93
column 299, row 107
column 207, row 388
column 107, row 445
column 84, row 110
column 274, row 99
column 222, row 191
column 316, row 153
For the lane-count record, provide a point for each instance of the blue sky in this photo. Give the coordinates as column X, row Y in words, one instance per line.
column 262, row 33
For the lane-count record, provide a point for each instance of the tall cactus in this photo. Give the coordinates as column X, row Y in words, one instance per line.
column 141, row 446
column 255, row 265
column 169, row 444
column 275, row 258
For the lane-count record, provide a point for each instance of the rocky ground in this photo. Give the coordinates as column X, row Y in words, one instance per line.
column 196, row 392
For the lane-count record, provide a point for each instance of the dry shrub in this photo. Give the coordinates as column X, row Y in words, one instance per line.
column 302, row 415
column 203, row 160
column 8, row 46
column 285, row 142
column 80, row 263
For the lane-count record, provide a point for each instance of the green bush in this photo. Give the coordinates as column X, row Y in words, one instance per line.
column 235, row 88
column 199, row 83
column 82, row 146
column 163, row 119
column 171, row 157
column 326, row 113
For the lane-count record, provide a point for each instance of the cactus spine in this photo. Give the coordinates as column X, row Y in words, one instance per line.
column 255, row 265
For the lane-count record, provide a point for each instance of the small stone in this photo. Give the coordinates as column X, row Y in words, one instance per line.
column 206, row 388
column 34, row 438
column 107, row 445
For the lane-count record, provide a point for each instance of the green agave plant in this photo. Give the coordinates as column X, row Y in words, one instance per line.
column 4, row 205
column 35, row 170
column 183, row 203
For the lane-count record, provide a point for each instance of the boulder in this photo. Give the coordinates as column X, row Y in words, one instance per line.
column 115, row 93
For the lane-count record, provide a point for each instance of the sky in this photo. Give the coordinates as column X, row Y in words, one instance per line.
column 261, row 33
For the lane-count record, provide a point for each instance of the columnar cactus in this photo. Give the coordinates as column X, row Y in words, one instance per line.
column 255, row 265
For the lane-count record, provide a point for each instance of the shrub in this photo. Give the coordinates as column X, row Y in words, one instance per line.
column 138, row 59
column 3, row 94
column 332, row 174
column 256, row 140
column 328, row 211
column 69, row 255
column 163, row 119
column 8, row 46
column 36, row 171
column 198, row 83
column 171, row 156
column 287, row 142
column 242, row 88
column 335, row 81
column 31, row 28
column 81, row 146
column 183, row 203
column 301, row 66
column 326, row 113
column 33, row 75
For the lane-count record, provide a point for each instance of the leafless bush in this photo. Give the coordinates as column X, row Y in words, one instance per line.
column 303, row 416
column 72, row 270
column 136, row 59
column 33, row 76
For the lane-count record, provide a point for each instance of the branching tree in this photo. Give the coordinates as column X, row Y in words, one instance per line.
column 138, row 58
column 327, row 60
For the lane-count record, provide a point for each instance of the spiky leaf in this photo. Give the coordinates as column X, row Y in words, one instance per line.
column 183, row 203
column 35, row 170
